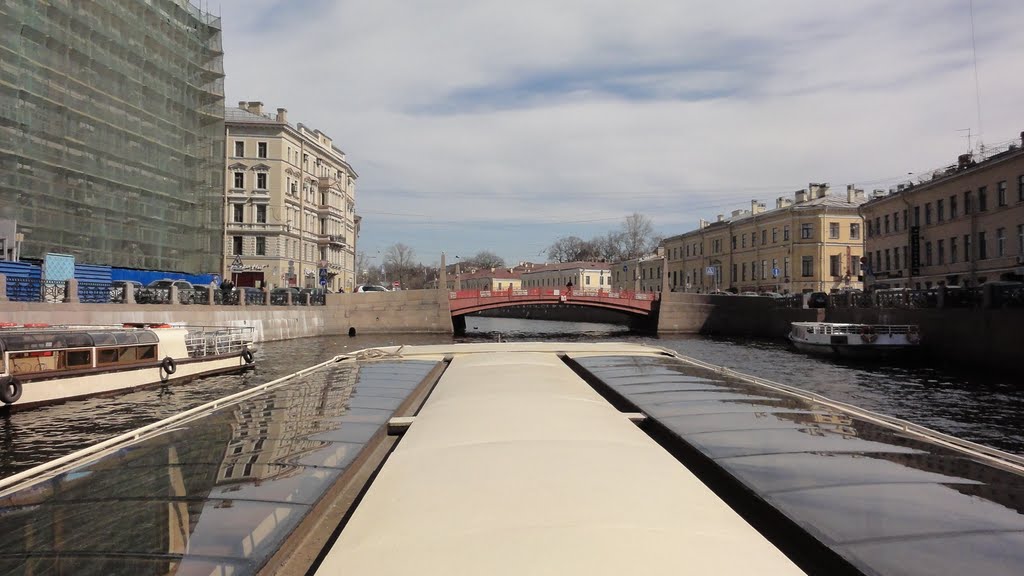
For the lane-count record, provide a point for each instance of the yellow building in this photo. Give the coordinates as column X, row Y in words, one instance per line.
column 583, row 275
column 639, row 274
column 491, row 279
column 965, row 226
column 809, row 244
column 289, row 203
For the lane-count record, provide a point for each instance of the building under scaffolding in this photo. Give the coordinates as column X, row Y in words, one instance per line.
column 112, row 131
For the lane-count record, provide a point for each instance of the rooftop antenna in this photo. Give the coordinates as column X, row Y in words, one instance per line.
column 968, row 130
column 977, row 89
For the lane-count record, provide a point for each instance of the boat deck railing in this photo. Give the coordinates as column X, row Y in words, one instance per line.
column 214, row 340
column 839, row 329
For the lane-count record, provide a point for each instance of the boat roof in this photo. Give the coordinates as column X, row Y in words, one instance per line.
column 524, row 458
column 28, row 339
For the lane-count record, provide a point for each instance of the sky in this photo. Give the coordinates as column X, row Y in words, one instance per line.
column 502, row 126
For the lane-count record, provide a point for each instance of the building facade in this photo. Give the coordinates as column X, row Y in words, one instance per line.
column 112, row 131
column 639, row 274
column 289, row 204
column 963, row 227
column 812, row 243
column 491, row 279
column 583, row 275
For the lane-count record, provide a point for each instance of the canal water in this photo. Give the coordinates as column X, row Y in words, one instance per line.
column 973, row 407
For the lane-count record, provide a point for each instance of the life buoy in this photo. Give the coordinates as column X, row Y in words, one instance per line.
column 867, row 334
column 168, row 365
column 913, row 336
column 247, row 356
column 10, row 390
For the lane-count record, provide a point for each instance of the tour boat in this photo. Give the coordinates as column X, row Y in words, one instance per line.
column 520, row 458
column 46, row 364
column 854, row 340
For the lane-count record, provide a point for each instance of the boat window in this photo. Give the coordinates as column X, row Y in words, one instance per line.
column 146, row 352
column 146, row 337
column 106, row 356
column 78, row 358
column 24, row 362
column 103, row 338
column 126, row 337
column 126, row 354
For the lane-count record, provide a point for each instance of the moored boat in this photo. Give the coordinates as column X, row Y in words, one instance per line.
column 47, row 364
column 854, row 340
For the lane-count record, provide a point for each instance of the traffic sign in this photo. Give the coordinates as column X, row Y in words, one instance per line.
column 236, row 264
column 395, row 284
column 323, row 276
column 775, row 272
column 709, row 271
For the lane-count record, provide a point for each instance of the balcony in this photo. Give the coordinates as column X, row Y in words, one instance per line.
column 331, row 239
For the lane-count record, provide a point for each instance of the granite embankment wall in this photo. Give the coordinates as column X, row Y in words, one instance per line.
column 405, row 311
column 976, row 338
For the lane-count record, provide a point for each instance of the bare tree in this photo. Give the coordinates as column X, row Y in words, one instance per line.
column 637, row 236
column 398, row 260
column 484, row 259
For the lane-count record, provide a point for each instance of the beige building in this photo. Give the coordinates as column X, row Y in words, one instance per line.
column 963, row 227
column 583, row 275
column 639, row 274
column 289, row 203
column 491, row 279
column 810, row 243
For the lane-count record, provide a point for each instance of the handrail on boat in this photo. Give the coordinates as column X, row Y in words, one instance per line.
column 58, row 465
column 994, row 455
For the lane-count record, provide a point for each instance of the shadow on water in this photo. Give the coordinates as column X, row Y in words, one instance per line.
column 973, row 407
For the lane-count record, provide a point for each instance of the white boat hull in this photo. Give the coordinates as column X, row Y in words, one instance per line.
column 853, row 340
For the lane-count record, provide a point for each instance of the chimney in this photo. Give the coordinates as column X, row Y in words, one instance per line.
column 282, row 115
column 963, row 161
column 783, row 202
column 241, row 104
column 703, row 224
column 851, row 193
column 801, row 196
column 721, row 218
column 756, row 207
column 736, row 213
column 254, row 108
column 818, row 190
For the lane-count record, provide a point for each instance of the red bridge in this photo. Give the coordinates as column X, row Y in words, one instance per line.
column 467, row 301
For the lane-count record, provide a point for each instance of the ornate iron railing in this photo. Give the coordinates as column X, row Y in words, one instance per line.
column 278, row 299
column 23, row 289
column 255, row 298
column 95, row 292
column 53, row 290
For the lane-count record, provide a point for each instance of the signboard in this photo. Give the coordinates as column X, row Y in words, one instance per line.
column 775, row 272
column 625, row 268
column 915, row 250
column 709, row 271
column 323, row 276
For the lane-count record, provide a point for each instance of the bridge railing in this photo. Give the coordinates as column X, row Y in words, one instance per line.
column 553, row 293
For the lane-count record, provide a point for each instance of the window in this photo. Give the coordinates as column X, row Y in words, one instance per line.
column 775, row 235
column 905, row 225
column 807, row 266
column 261, row 181
column 587, row 278
column 743, row 269
column 968, row 202
column 764, row 237
column 952, row 207
column 806, row 231
column 764, row 269
column 952, row 250
column 886, row 223
column 734, row 277
column 927, row 253
column 888, row 260
column 928, row 213
column 1000, row 241
column 878, row 226
column 775, row 266
column 734, row 244
column 785, row 233
column 261, row 149
column 239, row 149
column 940, row 210
column 1020, row 188
column 1020, row 239
column 940, row 249
column 1001, row 193
column 261, row 213
column 236, row 245
column 982, row 198
column 687, row 250
column 239, row 180
column 917, row 215
column 895, row 258
column 834, row 265
column 833, row 228
column 238, row 212
column 743, row 240
column 967, row 248
column 871, row 229
column 753, row 238
column 785, row 267
column 895, row 221
column 982, row 246
column 854, row 265
column 854, row 231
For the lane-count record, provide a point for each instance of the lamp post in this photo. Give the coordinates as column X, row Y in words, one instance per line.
column 458, row 271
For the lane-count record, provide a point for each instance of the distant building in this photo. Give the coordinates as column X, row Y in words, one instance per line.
column 639, row 274
column 963, row 227
column 290, row 197
column 491, row 279
column 583, row 275
column 112, row 132
column 811, row 243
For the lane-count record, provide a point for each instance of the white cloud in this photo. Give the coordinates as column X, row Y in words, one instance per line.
column 537, row 111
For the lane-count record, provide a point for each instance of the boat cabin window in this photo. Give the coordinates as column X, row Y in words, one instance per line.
column 78, row 359
column 106, row 356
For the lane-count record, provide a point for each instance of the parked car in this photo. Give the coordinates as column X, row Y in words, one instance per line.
column 117, row 290
column 817, row 300
column 748, row 293
column 371, row 288
column 185, row 289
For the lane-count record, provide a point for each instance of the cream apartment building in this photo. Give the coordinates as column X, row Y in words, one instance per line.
column 583, row 275
column 963, row 227
column 289, row 203
column 811, row 243
column 639, row 274
column 491, row 279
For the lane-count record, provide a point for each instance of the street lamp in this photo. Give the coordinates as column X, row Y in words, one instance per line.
column 458, row 271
